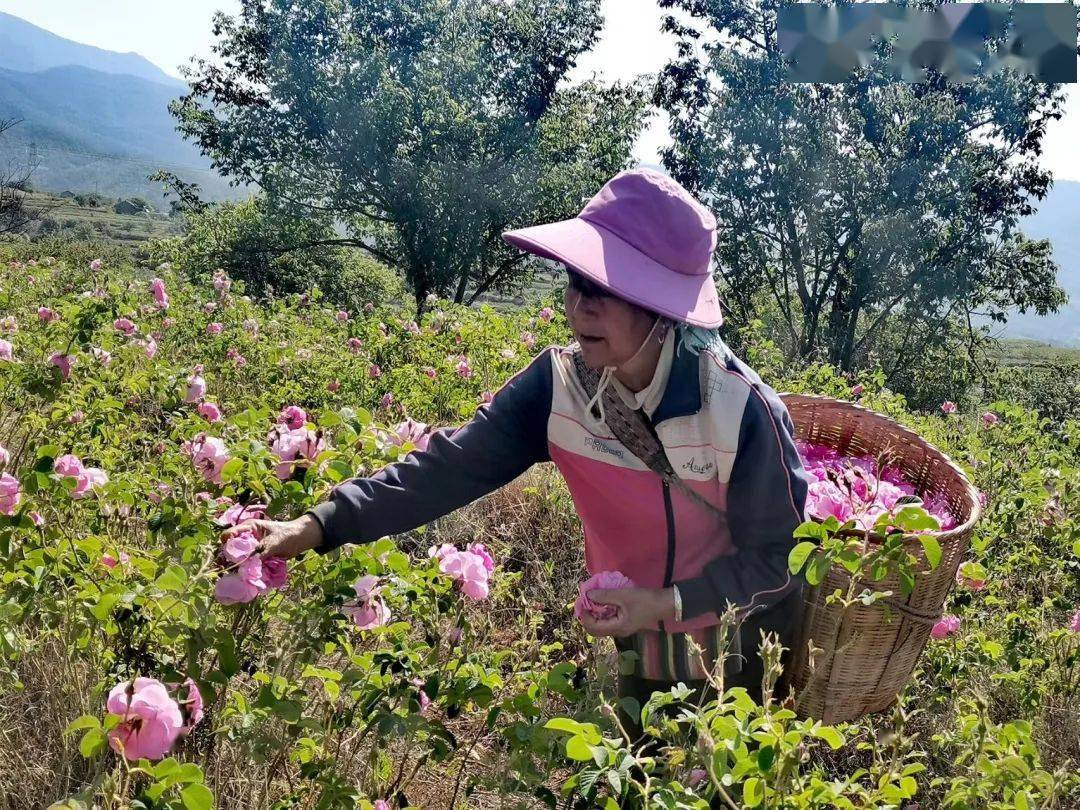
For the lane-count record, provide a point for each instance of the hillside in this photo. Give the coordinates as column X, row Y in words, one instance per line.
column 28, row 48
column 98, row 121
column 1056, row 220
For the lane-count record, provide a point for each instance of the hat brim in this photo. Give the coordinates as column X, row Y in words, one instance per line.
column 623, row 270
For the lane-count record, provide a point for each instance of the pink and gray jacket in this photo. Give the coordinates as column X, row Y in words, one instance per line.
column 728, row 436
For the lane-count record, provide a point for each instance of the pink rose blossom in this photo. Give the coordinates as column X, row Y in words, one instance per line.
column 970, row 583
column 412, row 328
column 209, row 455
column 243, row 585
column 10, row 324
column 101, row 355
column 546, row 314
column 440, row 552
column 387, row 400
column 275, row 572
column 342, row 315
column 239, row 547
column 10, row 494
column 214, row 328
column 293, row 417
column 294, row 448
column 383, row 330
column 167, row 322
column 161, row 298
column 191, row 705
column 696, row 777
column 858, row 389
column 6, row 351
column 411, row 431
column 374, row 371
column 95, row 265
column 91, row 478
column 948, row 407
column 37, row 519
column 1074, row 625
column 124, row 326
column 469, row 572
column 430, row 372
column 380, row 804
column 529, row 339
column 480, row 550
column 196, row 388
column 237, row 513
column 605, row 580
column 109, row 561
column 355, row 345
column 222, row 283
column 946, row 626
column 64, row 362
column 367, row 610
column 333, row 386
column 463, row 368
column 76, row 417
column 989, row 418
column 209, row 411
column 149, row 347
column 485, row 398
column 150, row 720
column 368, row 307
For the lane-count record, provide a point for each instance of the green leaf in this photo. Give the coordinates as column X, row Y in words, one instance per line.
column 227, row 662
column 817, row 569
column 92, row 742
column 578, row 750
column 174, row 579
column 563, row 724
column 197, row 797
column 753, row 792
column 232, row 469
column 79, row 723
column 798, row 556
column 932, row 548
column 765, row 757
column 830, row 735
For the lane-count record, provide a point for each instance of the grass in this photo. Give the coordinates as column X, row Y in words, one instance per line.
column 98, row 222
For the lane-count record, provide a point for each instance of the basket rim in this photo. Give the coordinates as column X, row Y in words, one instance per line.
column 974, row 513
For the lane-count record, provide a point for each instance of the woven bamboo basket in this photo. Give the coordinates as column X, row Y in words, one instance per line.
column 868, row 652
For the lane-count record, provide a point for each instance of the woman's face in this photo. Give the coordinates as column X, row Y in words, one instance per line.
column 609, row 329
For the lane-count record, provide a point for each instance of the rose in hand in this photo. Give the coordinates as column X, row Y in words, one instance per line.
column 621, row 609
column 280, row 538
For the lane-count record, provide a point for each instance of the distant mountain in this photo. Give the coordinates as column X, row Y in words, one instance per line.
column 1058, row 219
column 92, row 120
column 27, row 48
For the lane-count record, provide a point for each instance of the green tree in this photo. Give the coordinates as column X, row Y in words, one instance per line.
column 869, row 207
column 421, row 128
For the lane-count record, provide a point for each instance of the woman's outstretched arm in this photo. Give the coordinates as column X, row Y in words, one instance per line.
column 503, row 439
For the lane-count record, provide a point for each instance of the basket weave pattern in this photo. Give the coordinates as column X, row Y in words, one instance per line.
column 868, row 652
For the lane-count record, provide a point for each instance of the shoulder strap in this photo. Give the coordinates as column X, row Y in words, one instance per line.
column 636, row 433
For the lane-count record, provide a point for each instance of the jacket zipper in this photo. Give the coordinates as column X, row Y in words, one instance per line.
column 669, row 515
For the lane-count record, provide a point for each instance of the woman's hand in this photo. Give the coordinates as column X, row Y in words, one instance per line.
column 638, row 609
column 281, row 538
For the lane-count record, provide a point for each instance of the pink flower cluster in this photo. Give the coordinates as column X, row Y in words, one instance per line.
column 605, row 580
column 196, row 386
column 410, row 431
column 946, row 626
column 252, row 575
column 86, row 478
column 236, row 513
column 368, row 610
column 161, row 298
column 151, row 721
column 294, row 447
column 10, row 493
column 208, row 454
column 854, row 488
column 471, row 569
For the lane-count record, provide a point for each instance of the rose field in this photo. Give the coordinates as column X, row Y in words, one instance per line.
column 143, row 665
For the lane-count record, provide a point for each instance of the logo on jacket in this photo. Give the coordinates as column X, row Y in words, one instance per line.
column 600, row 447
column 694, row 467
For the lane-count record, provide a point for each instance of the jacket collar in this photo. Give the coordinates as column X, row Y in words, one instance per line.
column 682, row 397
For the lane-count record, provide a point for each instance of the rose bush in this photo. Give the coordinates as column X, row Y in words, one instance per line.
column 382, row 674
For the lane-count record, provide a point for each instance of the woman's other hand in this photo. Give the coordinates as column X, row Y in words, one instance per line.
column 638, row 609
column 281, row 538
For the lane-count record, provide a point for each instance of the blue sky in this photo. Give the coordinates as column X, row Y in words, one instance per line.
column 168, row 32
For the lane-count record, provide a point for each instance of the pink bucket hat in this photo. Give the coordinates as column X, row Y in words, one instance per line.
column 644, row 238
